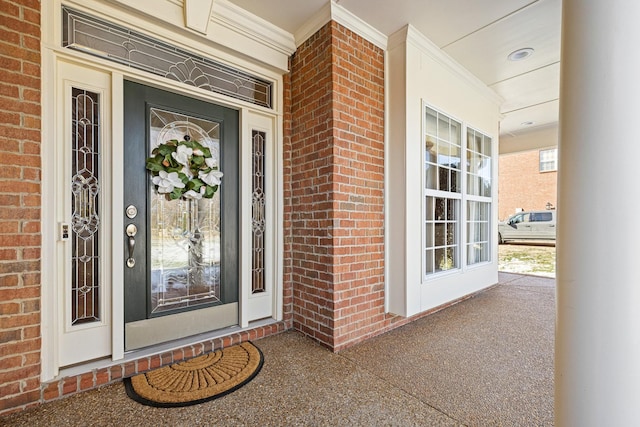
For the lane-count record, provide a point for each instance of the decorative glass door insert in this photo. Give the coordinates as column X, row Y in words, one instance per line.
column 185, row 234
column 85, row 204
column 258, row 217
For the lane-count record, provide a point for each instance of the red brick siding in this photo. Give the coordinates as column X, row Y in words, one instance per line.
column 311, row 194
column 358, row 187
column 337, row 187
column 522, row 185
column 19, row 203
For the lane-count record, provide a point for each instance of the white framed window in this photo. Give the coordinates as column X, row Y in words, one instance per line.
column 442, row 192
column 478, row 194
column 455, row 196
column 549, row 160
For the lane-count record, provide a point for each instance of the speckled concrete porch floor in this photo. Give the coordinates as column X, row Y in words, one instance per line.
column 487, row 361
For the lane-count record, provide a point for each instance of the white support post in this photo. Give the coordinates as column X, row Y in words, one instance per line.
column 597, row 358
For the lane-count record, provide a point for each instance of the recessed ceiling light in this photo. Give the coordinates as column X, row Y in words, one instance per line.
column 520, row 54
column 527, row 123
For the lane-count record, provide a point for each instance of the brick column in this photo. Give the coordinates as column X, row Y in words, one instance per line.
column 337, row 185
column 19, row 203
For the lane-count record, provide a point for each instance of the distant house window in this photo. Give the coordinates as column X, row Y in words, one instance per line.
column 549, row 160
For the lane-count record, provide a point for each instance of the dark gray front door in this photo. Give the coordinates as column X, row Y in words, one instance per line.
column 181, row 265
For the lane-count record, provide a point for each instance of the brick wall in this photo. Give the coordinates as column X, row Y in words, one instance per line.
column 311, row 154
column 19, row 203
column 358, row 232
column 337, row 187
column 521, row 185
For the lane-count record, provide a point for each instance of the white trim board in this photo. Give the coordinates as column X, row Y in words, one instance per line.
column 333, row 11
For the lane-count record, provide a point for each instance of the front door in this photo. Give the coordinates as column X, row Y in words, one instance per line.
column 181, row 267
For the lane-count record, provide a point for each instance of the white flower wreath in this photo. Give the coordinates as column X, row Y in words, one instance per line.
column 184, row 169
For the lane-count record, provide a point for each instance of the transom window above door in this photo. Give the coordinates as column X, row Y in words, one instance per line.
column 125, row 46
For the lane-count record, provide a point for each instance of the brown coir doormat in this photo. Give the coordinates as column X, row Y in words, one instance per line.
column 197, row 380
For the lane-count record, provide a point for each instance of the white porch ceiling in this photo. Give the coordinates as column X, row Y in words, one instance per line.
column 478, row 34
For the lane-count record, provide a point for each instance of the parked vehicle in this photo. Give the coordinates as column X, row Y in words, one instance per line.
column 529, row 225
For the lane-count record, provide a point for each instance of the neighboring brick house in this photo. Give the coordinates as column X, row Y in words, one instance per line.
column 337, row 232
column 528, row 172
column 527, row 180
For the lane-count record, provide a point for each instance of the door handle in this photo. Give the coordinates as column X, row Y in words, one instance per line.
column 131, row 231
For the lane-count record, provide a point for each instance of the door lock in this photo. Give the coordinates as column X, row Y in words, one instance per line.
column 131, row 211
column 131, row 231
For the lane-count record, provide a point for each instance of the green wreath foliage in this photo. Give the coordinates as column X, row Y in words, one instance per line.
column 184, row 169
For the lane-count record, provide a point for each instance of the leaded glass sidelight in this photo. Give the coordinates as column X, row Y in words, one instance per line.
column 85, row 206
column 185, row 234
column 258, row 213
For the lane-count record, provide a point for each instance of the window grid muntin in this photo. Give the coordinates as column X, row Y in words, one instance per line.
column 478, row 151
column 85, row 206
column 443, row 149
column 83, row 32
column 258, row 219
column 442, row 234
column 442, row 189
column 549, row 160
column 479, row 165
column 478, row 231
column 478, row 195
column 442, row 192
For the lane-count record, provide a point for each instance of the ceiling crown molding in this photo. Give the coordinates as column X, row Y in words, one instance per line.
column 411, row 35
column 228, row 26
column 333, row 11
column 239, row 20
column 316, row 22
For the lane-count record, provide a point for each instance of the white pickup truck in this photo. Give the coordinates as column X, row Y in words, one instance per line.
column 529, row 225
